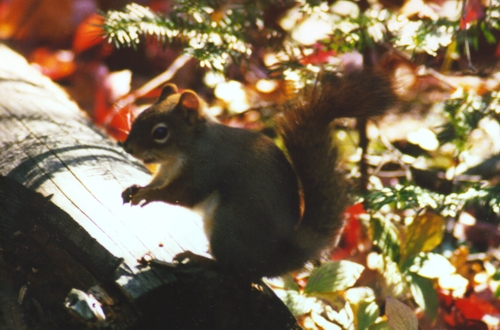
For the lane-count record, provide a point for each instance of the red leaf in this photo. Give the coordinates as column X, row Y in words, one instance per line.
column 48, row 21
column 449, row 318
column 53, row 64
column 352, row 234
column 445, row 297
column 89, row 33
column 474, row 10
column 115, row 121
column 497, row 51
column 319, row 56
column 119, row 126
column 474, row 308
column 355, row 210
column 352, row 228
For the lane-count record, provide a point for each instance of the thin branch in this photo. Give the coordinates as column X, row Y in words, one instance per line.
column 162, row 78
column 470, row 66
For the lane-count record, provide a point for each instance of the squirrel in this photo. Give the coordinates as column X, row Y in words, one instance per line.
column 264, row 216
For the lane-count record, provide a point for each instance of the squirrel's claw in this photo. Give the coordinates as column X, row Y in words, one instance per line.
column 129, row 193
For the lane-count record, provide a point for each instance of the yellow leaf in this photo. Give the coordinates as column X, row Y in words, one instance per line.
column 423, row 234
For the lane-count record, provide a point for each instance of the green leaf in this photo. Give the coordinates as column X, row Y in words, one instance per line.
column 395, row 282
column 423, row 234
column 399, row 315
column 385, row 236
column 429, row 265
column 359, row 294
column 394, row 279
column 299, row 304
column 490, row 37
column 289, row 283
column 343, row 318
column 362, row 301
column 424, row 294
column 333, row 276
column 496, row 276
column 368, row 312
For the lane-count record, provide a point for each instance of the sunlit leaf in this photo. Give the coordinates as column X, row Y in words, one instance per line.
column 359, row 294
column 297, row 303
column 385, row 236
column 423, row 234
column 430, row 265
column 399, row 315
column 424, row 294
column 454, row 283
column 333, row 276
column 362, row 301
column 340, row 314
column 394, row 280
column 323, row 323
column 368, row 312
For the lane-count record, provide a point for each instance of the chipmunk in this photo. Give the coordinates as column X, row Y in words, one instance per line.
column 245, row 187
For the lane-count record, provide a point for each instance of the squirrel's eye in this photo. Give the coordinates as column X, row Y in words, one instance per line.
column 160, row 133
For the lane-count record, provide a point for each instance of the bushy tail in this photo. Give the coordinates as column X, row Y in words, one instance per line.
column 305, row 128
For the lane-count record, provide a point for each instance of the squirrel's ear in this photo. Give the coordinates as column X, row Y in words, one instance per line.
column 190, row 105
column 167, row 90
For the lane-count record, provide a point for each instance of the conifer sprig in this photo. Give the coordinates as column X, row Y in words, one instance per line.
column 212, row 42
column 414, row 197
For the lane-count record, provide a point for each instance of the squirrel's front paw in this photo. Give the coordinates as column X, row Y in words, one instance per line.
column 188, row 258
column 128, row 194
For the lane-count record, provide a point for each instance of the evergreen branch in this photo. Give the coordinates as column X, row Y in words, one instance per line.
column 464, row 113
column 421, row 35
column 410, row 196
column 217, row 31
column 211, row 43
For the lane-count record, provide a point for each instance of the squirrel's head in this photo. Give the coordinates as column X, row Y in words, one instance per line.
column 166, row 130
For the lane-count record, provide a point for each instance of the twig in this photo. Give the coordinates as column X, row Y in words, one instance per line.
column 395, row 154
column 165, row 76
column 466, row 39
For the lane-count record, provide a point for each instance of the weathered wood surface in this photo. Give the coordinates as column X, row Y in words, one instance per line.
column 48, row 146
